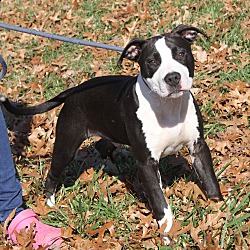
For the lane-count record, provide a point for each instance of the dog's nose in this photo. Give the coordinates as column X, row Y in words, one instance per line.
column 173, row 78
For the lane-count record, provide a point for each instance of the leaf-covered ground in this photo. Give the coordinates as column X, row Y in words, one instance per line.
column 105, row 207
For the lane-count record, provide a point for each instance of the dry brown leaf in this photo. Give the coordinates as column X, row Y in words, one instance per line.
column 109, row 226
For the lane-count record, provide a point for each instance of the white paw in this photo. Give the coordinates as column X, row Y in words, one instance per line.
column 166, row 221
column 166, row 240
column 51, row 201
column 2, row 98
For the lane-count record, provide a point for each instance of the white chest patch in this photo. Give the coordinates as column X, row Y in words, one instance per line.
column 168, row 124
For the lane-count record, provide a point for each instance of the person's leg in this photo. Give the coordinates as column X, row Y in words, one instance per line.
column 10, row 187
column 11, row 198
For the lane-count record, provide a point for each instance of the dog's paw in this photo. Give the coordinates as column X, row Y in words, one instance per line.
column 165, row 224
column 51, row 201
column 165, row 239
column 2, row 98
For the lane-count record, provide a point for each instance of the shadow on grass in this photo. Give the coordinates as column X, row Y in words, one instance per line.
column 119, row 162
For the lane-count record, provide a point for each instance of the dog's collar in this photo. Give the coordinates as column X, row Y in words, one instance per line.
column 145, row 81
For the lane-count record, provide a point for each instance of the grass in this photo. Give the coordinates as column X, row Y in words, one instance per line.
column 91, row 203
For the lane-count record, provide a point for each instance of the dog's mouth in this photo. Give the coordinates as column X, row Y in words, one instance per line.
column 173, row 94
column 176, row 93
column 165, row 93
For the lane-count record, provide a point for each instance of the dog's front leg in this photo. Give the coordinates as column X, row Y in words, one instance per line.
column 151, row 182
column 203, row 166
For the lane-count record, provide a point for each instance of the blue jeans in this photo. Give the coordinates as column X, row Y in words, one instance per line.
column 10, row 187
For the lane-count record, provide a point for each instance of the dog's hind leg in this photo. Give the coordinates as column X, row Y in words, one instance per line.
column 70, row 133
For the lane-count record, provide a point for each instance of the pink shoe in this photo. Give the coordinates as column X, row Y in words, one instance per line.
column 44, row 235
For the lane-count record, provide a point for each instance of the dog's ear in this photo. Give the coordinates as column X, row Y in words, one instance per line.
column 132, row 50
column 188, row 32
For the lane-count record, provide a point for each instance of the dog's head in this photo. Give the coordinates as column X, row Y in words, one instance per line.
column 166, row 61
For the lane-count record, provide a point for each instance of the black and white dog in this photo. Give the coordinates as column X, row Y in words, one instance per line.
column 154, row 113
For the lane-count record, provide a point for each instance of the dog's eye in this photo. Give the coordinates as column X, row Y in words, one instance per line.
column 152, row 62
column 181, row 54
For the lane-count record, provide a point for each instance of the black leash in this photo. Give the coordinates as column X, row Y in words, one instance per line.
column 60, row 38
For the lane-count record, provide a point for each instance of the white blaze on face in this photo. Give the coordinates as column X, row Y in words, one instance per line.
column 168, row 65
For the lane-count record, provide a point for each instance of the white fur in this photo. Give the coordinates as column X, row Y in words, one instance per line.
column 160, row 181
column 169, row 218
column 51, row 201
column 2, row 98
column 168, row 65
column 168, row 124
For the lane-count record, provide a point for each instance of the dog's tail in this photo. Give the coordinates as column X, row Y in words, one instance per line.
column 15, row 108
